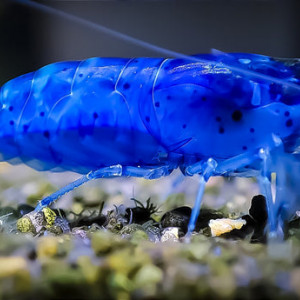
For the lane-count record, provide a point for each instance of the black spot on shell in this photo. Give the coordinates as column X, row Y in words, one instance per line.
column 203, row 98
column 80, row 75
column 237, row 115
column 147, row 118
column 183, row 126
column 252, row 130
column 169, row 97
column 42, row 113
column 95, row 115
column 289, row 123
column 157, row 104
column 46, row 134
column 287, row 113
column 65, row 69
column 11, row 122
column 218, row 119
column 245, row 147
column 25, row 127
column 126, row 86
column 11, row 108
column 221, row 130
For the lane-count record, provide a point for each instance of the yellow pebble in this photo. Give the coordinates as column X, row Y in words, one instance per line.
column 25, row 225
column 50, row 216
column 9, row 266
column 47, row 246
column 89, row 270
column 220, row 226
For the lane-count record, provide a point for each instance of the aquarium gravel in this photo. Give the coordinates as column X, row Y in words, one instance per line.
column 108, row 246
column 95, row 255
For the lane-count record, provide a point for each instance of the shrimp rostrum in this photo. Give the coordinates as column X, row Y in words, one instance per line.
column 209, row 115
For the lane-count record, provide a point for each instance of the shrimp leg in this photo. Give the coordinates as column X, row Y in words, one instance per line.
column 107, row 172
column 205, row 170
column 212, row 167
column 265, row 185
column 208, row 169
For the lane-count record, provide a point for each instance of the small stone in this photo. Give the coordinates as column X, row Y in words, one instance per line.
column 89, row 270
column 24, row 209
column 130, row 229
column 11, row 265
column 205, row 216
column 49, row 216
column 127, row 260
column 47, row 247
column 104, row 242
column 8, row 214
column 37, row 219
column 25, row 225
column 32, row 222
column 62, row 224
column 80, row 232
column 152, row 231
column 170, row 234
column 14, row 276
column 246, row 232
column 220, row 226
column 178, row 217
column 139, row 236
column 121, row 283
column 147, row 279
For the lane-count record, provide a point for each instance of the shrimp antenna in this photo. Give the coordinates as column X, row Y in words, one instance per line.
column 155, row 48
column 103, row 29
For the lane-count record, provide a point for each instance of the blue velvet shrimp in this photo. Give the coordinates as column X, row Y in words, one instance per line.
column 209, row 115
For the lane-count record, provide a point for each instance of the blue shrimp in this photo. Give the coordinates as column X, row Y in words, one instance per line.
column 212, row 115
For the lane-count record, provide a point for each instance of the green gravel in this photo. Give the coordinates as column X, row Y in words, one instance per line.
column 99, row 255
column 107, row 266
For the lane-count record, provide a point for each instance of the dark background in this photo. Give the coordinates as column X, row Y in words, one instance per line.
column 30, row 38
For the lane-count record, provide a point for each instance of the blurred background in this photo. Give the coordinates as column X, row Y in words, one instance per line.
column 31, row 38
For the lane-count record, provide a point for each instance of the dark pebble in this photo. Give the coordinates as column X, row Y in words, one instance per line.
column 24, row 209
column 9, row 213
column 179, row 217
column 258, row 209
column 100, row 220
column 255, row 222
